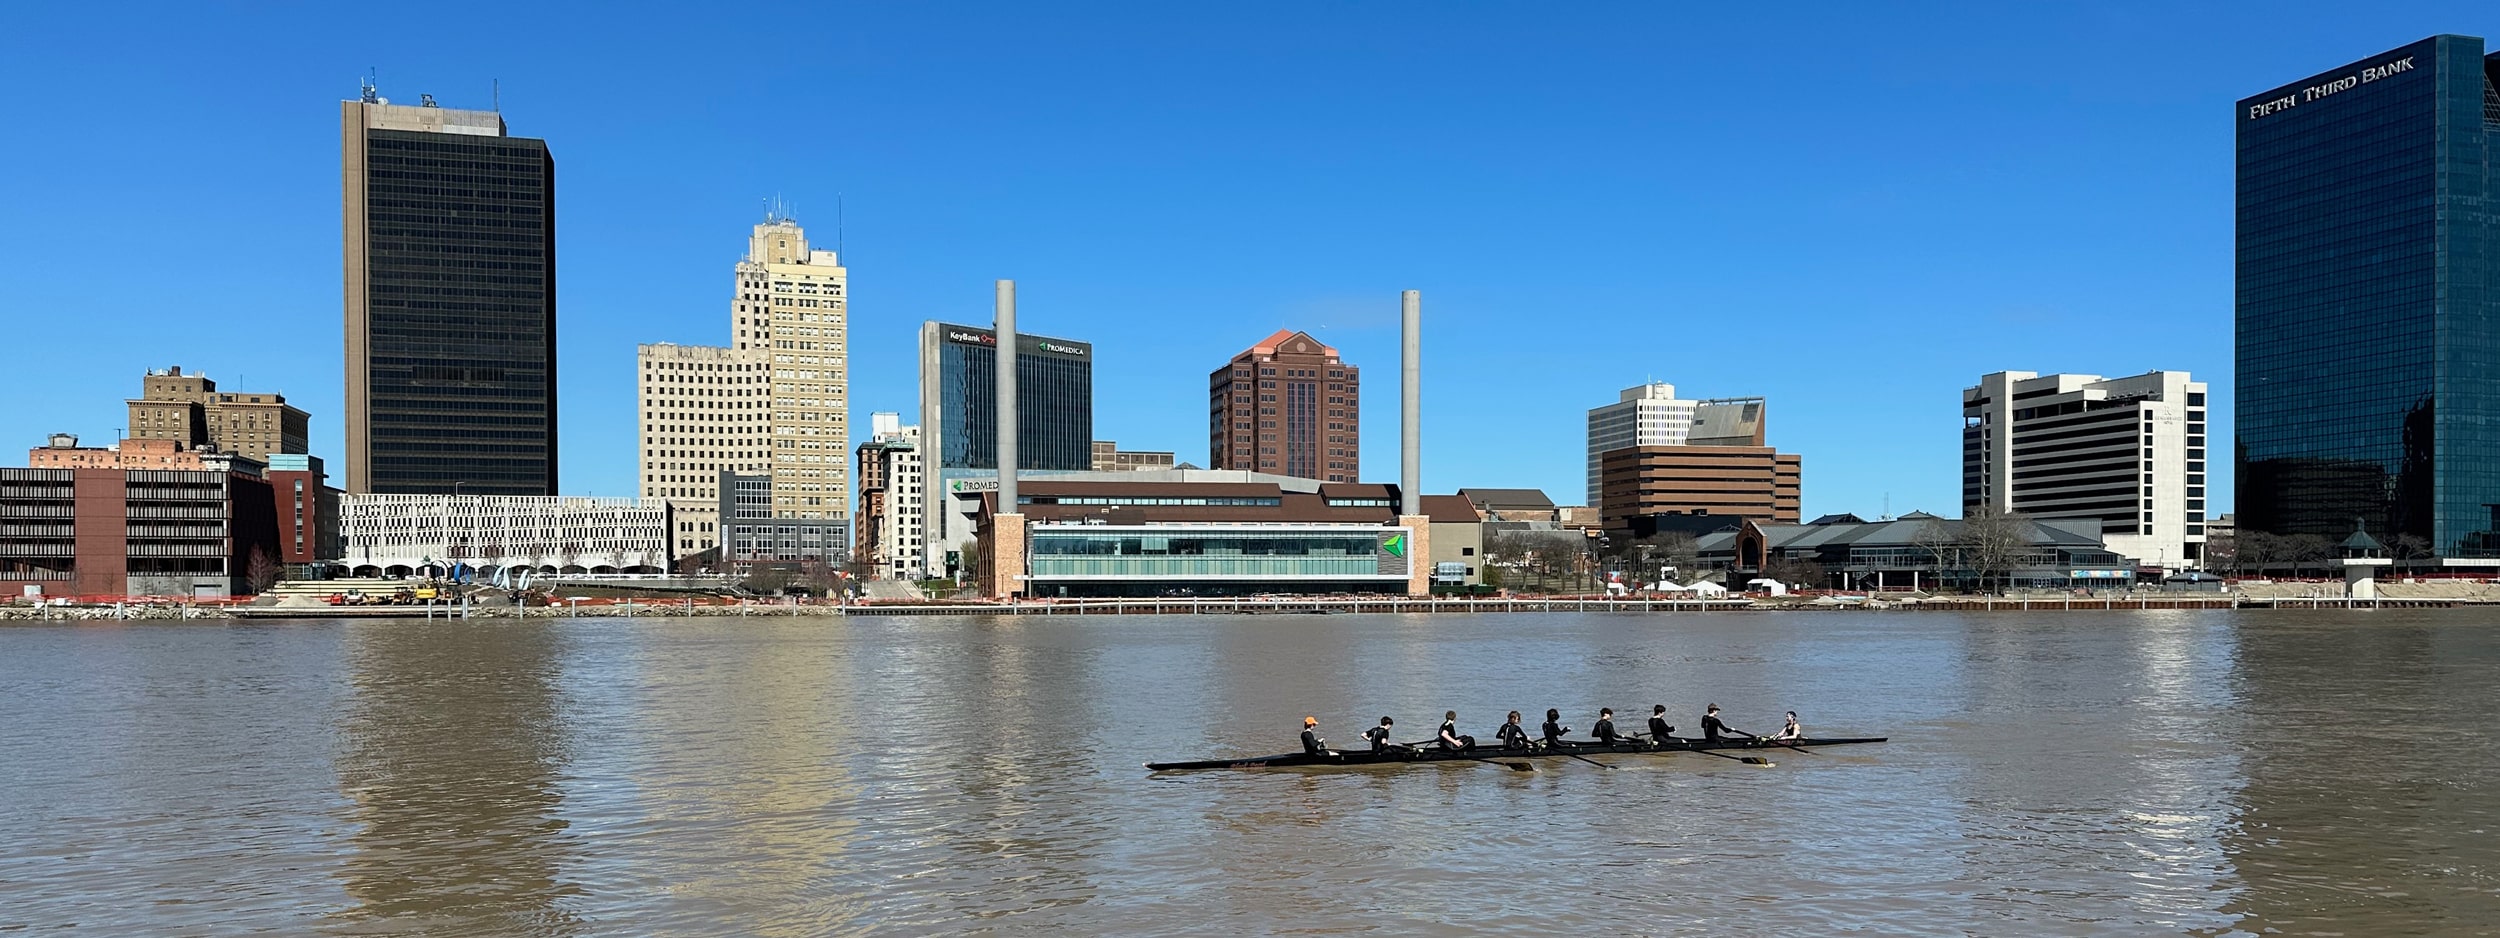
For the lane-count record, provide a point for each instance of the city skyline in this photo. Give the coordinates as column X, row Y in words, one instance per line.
column 929, row 254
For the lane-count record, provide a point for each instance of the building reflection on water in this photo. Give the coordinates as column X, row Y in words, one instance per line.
column 711, row 773
column 451, row 757
column 2370, row 770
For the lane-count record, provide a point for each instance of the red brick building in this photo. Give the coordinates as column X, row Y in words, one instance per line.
column 110, row 533
column 307, row 509
column 63, row 452
column 1286, row 406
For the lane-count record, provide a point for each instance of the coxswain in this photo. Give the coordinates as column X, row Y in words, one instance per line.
column 1553, row 728
column 1793, row 732
column 1711, row 729
column 1379, row 735
column 1312, row 745
column 1449, row 733
column 1512, row 735
column 1604, row 731
column 1659, row 731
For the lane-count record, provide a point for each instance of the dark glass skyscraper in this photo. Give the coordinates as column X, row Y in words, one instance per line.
column 959, row 400
column 2368, row 301
column 451, row 303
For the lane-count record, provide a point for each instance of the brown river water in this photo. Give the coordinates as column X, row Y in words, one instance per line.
column 2122, row 773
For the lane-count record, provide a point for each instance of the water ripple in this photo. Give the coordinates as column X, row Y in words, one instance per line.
column 2075, row 774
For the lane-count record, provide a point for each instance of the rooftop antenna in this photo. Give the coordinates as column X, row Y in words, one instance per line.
column 495, row 94
column 370, row 95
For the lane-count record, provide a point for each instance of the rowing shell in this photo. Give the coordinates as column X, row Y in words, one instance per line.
column 1434, row 754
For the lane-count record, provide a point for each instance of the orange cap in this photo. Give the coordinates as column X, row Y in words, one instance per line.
column 1310, row 721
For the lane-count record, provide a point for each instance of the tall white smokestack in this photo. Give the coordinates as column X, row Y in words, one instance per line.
column 1006, row 329
column 1410, row 408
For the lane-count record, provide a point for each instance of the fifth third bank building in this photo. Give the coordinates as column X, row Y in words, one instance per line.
column 2368, row 303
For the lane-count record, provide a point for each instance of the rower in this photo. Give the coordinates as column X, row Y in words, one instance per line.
column 1605, row 728
column 1450, row 739
column 1553, row 728
column 1512, row 735
column 1711, row 729
column 1659, row 731
column 1311, row 743
column 1379, row 735
column 1793, row 732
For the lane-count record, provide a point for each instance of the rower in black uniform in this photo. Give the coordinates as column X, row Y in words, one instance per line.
column 1450, row 740
column 1312, row 745
column 1793, row 732
column 1604, row 731
column 1553, row 729
column 1512, row 735
column 1711, row 729
column 1659, row 732
column 1379, row 735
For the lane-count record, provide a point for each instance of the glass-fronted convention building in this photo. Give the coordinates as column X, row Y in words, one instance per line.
column 2368, row 301
column 1189, row 559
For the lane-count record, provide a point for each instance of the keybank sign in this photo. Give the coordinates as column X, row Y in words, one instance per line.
column 2313, row 92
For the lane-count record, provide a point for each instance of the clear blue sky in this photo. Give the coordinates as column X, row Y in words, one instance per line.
column 1852, row 210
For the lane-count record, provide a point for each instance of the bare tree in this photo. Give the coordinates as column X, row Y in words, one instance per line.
column 261, row 571
column 2254, row 551
column 1808, row 574
column 1528, row 553
column 767, row 579
column 569, row 555
column 1992, row 542
column 820, row 577
column 1650, row 556
column 1942, row 544
column 2306, row 551
column 2222, row 553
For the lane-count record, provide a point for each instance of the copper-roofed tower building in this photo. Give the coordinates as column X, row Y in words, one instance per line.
column 1287, row 406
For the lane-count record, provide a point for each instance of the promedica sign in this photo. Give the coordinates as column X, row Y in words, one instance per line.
column 1028, row 343
column 2323, row 86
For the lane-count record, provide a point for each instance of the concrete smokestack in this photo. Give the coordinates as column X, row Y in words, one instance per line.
column 1006, row 329
column 1410, row 407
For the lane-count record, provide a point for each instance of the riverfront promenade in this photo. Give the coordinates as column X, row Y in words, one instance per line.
column 1169, row 607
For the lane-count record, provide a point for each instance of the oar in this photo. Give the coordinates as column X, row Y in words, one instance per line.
column 1418, row 747
column 1589, row 760
column 1768, row 741
column 1748, row 760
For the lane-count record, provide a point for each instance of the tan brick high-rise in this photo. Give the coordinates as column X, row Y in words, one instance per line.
column 775, row 401
column 1288, row 406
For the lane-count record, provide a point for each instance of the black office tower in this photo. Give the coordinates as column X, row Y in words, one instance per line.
column 451, row 302
column 959, row 400
column 2368, row 302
